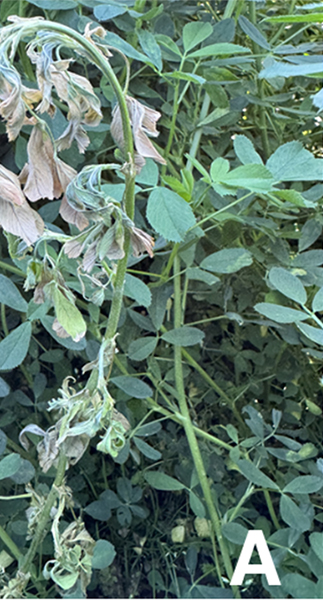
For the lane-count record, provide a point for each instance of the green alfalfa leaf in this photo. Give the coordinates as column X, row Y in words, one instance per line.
column 103, row 554
column 298, row 586
column 313, row 333
column 68, row 343
column 245, row 150
column 280, row 314
column 218, row 49
column 253, row 32
column 306, row 18
column 114, row 40
column 160, row 481
column 132, row 386
column 137, row 290
column 288, row 284
column 291, row 162
column 228, row 260
column 219, row 168
column 68, row 315
column 195, row 33
column 10, row 295
column 251, row 472
column 142, row 348
column 105, row 12
column 310, row 232
column 273, row 68
column 317, row 304
column 316, row 541
column 199, row 275
column 146, row 449
column 291, row 196
column 197, row 505
column 150, row 47
column 65, row 582
column 9, row 465
column 187, row 77
column 169, row 214
column 305, row 484
column 54, row 5
column 234, row 532
column 292, row 515
column 169, row 44
column 256, row 178
column 14, row 348
column 184, row 336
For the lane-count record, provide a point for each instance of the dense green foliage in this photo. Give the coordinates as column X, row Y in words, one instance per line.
column 198, row 414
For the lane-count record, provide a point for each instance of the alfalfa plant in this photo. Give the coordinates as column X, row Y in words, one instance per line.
column 106, row 231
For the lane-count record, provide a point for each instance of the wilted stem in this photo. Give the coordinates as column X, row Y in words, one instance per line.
column 103, row 64
column 45, row 515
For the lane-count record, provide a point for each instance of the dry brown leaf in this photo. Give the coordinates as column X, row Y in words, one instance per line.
column 39, row 174
column 143, row 121
column 141, row 242
column 45, row 176
column 73, row 216
column 73, row 248
column 90, row 257
column 59, row 330
column 84, row 106
column 74, row 131
column 10, row 189
column 16, row 216
column 12, row 107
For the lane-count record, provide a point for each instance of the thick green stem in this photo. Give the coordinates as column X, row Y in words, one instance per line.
column 191, row 437
column 45, row 516
column 261, row 90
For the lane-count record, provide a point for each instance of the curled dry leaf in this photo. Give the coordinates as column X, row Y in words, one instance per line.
column 141, row 242
column 12, row 107
column 75, row 90
column 16, row 216
column 143, row 121
column 73, row 216
column 100, row 32
column 44, row 176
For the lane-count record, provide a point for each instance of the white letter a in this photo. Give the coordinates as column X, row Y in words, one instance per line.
column 267, row 567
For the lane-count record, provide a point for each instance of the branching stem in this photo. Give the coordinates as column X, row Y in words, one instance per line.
column 191, row 437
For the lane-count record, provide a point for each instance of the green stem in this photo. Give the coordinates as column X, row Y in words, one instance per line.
column 271, row 509
column 4, row 320
column 191, row 437
column 213, row 385
column 45, row 516
column 229, row 9
column 12, row 269
column 176, row 105
column 10, row 544
column 174, row 416
column 261, row 89
column 210, row 381
column 198, row 133
column 313, row 316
